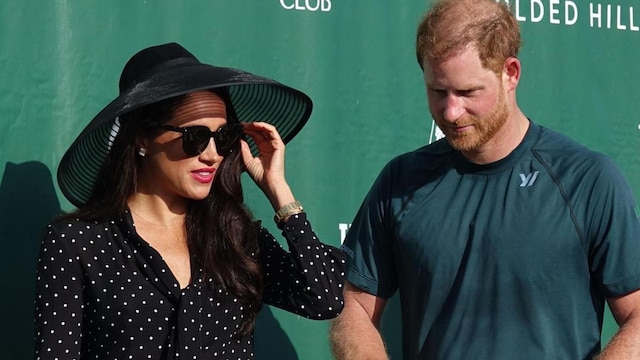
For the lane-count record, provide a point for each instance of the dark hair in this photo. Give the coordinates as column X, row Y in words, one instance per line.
column 221, row 232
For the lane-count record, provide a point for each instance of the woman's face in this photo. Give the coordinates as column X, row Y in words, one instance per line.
column 167, row 171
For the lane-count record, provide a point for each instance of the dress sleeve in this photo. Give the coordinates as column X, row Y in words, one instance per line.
column 58, row 301
column 308, row 280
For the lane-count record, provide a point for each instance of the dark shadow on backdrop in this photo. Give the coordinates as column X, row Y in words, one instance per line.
column 28, row 202
column 271, row 341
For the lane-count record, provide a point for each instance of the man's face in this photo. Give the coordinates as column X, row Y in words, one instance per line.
column 467, row 101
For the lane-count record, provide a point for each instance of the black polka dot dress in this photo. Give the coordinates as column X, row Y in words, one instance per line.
column 104, row 293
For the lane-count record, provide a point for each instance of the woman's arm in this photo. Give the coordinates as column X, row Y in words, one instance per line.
column 308, row 280
column 59, row 301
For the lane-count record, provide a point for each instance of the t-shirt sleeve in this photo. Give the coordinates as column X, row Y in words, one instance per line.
column 614, row 232
column 369, row 241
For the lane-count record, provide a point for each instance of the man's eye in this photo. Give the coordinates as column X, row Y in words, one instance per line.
column 466, row 93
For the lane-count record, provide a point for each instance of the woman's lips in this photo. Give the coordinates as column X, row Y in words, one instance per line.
column 204, row 176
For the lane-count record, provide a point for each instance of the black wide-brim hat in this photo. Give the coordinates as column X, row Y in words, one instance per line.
column 165, row 71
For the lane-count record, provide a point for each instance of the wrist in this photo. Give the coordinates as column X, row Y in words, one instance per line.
column 279, row 195
column 284, row 212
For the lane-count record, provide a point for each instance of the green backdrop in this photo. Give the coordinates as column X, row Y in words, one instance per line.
column 60, row 61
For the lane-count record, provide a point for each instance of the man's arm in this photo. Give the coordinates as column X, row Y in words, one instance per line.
column 626, row 342
column 355, row 334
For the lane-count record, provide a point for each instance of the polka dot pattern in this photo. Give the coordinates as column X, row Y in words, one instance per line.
column 104, row 293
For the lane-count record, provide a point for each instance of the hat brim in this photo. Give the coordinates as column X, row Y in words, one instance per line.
column 254, row 98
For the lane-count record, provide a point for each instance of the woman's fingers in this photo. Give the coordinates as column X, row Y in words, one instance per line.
column 263, row 134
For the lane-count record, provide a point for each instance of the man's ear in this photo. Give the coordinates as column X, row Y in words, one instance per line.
column 511, row 73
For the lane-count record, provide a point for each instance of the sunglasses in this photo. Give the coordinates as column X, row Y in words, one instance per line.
column 195, row 139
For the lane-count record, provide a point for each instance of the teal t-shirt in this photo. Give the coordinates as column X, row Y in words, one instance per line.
column 509, row 260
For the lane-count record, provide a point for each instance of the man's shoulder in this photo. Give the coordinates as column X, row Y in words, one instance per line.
column 409, row 169
column 559, row 151
column 553, row 143
column 428, row 155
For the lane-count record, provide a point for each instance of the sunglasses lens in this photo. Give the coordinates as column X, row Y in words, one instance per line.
column 195, row 140
column 226, row 137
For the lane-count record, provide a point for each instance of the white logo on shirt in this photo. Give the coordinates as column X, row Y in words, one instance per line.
column 528, row 179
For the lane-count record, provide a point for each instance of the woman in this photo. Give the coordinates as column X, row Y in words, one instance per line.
column 162, row 260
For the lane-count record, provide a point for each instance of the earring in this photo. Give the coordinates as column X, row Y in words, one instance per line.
column 142, row 152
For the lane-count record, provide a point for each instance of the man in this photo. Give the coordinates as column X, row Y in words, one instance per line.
column 504, row 240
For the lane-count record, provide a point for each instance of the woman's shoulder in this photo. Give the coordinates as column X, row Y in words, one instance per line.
column 76, row 225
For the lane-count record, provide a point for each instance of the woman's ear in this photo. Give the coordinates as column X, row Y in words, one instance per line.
column 141, row 145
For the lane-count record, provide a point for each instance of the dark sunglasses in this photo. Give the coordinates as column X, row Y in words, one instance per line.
column 195, row 139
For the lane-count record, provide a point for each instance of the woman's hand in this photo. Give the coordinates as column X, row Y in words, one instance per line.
column 267, row 169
